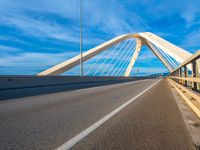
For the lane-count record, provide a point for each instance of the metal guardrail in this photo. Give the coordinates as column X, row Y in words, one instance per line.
column 191, row 98
column 187, row 73
column 186, row 80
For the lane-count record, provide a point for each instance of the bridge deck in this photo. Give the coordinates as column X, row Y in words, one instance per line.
column 152, row 121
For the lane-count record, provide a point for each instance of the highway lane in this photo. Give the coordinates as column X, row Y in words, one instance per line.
column 153, row 122
column 47, row 121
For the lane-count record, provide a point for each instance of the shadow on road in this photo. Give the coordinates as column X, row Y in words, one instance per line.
column 32, row 91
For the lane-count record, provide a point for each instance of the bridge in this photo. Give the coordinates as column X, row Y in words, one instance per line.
column 106, row 108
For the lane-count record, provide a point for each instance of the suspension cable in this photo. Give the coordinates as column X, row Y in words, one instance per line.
column 105, row 60
column 123, row 61
column 97, row 70
column 118, row 68
column 113, row 49
column 122, row 52
column 173, row 61
column 123, row 66
column 167, row 57
column 124, row 43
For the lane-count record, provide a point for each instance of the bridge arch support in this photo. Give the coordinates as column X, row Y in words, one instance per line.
column 142, row 39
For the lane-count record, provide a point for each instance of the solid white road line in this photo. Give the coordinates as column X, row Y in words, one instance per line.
column 77, row 138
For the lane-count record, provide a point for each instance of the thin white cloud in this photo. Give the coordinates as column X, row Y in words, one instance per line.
column 45, row 29
column 64, row 8
column 192, row 41
column 8, row 50
column 34, row 59
column 40, row 28
column 102, row 18
column 14, row 39
column 112, row 18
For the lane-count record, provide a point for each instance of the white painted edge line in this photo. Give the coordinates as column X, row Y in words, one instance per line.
column 77, row 138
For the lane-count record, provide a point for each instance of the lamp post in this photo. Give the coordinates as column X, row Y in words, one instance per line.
column 81, row 38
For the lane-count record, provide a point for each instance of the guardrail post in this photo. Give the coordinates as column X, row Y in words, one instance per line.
column 194, row 73
column 180, row 75
column 176, row 76
column 185, row 75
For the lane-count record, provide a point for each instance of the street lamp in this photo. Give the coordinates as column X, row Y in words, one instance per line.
column 81, row 38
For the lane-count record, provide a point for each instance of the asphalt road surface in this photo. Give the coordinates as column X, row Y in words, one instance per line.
column 152, row 121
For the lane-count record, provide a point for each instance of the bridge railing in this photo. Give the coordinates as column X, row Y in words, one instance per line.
column 186, row 79
column 187, row 73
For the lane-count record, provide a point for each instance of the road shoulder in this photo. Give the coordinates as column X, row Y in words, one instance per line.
column 190, row 118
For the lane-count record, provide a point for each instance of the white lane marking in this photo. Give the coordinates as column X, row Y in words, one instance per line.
column 77, row 138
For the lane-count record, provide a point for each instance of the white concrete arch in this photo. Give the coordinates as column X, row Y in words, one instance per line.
column 146, row 38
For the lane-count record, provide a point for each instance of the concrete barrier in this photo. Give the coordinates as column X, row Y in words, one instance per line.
column 18, row 82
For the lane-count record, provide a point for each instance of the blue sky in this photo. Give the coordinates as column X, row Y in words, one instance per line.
column 37, row 34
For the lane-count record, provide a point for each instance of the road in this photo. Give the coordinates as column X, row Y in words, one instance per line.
column 151, row 121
